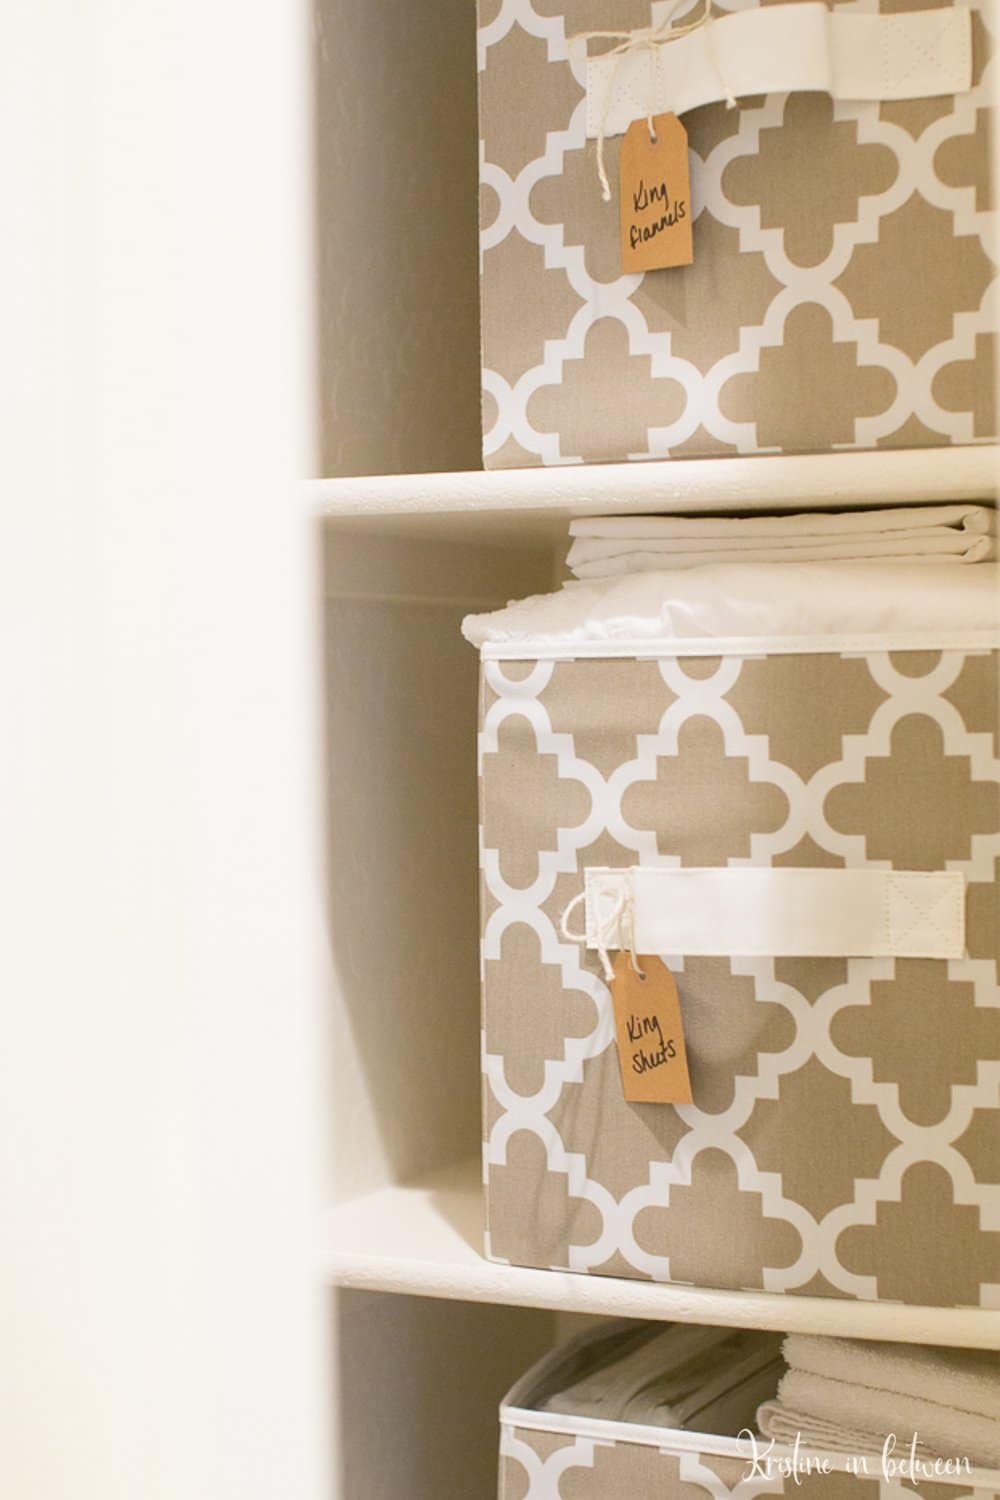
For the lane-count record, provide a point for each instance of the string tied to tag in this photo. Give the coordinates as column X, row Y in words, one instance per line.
column 616, row 930
column 628, row 920
column 647, row 39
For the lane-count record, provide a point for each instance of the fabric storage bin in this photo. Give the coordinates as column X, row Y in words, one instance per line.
column 815, row 745
column 840, row 294
column 546, row 1455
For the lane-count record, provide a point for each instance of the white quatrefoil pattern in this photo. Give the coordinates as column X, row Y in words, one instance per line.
column 843, row 291
column 843, row 1135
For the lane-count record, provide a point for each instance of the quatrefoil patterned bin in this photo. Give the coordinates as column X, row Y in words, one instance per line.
column 794, row 785
column 842, row 294
column 554, row 1454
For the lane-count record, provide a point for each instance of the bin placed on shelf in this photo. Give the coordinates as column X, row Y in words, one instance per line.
column 594, row 1421
column 839, row 294
column 780, row 784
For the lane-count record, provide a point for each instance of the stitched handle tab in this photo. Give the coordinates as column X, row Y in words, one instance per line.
column 805, row 913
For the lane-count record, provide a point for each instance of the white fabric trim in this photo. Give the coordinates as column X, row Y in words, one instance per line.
column 805, row 913
column 747, row 608
column 914, row 55
column 760, row 645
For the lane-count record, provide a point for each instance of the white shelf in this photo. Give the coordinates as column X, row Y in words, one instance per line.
column 424, row 1239
column 533, row 504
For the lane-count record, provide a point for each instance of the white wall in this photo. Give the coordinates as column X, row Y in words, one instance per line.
column 162, row 926
column 168, row 1006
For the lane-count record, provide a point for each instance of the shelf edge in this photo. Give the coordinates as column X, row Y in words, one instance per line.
column 972, row 1328
column 856, row 478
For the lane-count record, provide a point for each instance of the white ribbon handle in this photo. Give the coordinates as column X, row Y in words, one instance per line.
column 747, row 911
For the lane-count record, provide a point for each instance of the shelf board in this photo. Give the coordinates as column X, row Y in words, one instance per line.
column 424, row 1238
column 533, row 504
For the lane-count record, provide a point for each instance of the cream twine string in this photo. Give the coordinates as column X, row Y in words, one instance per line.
column 629, row 916
column 618, row 923
column 648, row 39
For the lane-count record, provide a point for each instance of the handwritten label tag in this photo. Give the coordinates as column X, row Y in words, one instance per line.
column 651, row 1051
column 655, row 196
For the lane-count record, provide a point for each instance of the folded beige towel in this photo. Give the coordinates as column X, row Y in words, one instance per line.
column 862, row 1416
column 778, row 1421
column 968, row 1379
column 612, row 546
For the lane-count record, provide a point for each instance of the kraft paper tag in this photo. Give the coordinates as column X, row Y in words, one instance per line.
column 655, row 196
column 651, row 1051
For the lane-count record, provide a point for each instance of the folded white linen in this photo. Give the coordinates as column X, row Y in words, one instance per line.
column 612, row 546
column 677, row 1376
column 970, row 517
column 968, row 1379
column 862, row 1416
column 605, row 1389
column 771, row 606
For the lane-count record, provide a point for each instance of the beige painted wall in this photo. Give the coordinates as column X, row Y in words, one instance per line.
column 396, row 151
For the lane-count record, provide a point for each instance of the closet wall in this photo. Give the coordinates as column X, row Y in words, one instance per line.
column 417, row 1381
column 396, row 164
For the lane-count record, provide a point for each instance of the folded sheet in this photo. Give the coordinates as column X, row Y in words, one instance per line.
column 711, row 1379
column 771, row 606
column 613, row 546
column 858, row 1418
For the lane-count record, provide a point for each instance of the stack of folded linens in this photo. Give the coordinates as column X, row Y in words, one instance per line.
column 706, row 1379
column 850, row 1395
column 611, row 546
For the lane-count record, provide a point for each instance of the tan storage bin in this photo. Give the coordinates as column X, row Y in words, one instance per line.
column 840, row 294
column 794, row 768
column 548, row 1456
